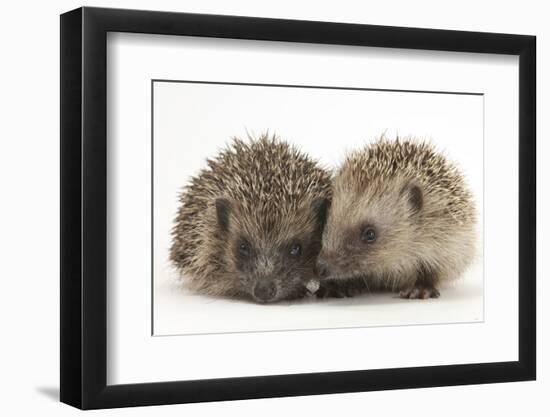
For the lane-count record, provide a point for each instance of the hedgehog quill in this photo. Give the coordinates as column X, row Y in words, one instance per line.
column 401, row 219
column 250, row 224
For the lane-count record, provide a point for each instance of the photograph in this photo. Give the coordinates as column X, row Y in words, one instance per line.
column 257, row 207
column 296, row 207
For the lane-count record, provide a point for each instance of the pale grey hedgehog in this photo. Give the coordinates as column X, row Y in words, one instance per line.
column 250, row 224
column 402, row 218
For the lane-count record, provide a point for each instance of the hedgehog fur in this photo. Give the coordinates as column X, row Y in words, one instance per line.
column 250, row 224
column 402, row 218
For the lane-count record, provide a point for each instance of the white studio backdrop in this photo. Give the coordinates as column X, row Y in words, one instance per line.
column 194, row 121
column 134, row 60
column 30, row 173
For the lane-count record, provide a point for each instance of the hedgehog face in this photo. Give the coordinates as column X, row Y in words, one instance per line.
column 371, row 231
column 269, row 259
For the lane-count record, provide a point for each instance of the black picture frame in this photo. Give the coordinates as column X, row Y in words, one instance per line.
column 84, row 209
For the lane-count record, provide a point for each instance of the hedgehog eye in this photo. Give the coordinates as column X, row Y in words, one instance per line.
column 368, row 234
column 295, row 250
column 244, row 248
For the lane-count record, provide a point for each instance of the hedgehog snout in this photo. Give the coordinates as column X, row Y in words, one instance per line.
column 265, row 291
column 322, row 267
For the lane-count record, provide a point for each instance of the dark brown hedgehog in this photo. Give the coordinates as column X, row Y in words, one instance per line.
column 250, row 224
column 402, row 218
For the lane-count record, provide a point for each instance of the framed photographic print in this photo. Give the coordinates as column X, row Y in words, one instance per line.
column 257, row 207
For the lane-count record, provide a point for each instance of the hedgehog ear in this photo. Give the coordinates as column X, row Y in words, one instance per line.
column 223, row 209
column 320, row 208
column 414, row 196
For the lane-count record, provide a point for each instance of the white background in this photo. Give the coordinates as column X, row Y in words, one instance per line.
column 132, row 60
column 30, row 173
column 193, row 121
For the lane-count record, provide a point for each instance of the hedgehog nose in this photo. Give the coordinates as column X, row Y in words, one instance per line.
column 265, row 291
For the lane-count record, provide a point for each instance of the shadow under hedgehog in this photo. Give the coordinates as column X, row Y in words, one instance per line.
column 250, row 224
column 401, row 219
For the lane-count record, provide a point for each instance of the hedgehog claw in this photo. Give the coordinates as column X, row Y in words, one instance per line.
column 419, row 293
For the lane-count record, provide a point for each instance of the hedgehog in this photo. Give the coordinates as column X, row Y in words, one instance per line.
column 249, row 225
column 402, row 219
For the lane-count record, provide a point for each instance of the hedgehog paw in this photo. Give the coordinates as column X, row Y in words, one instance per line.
column 326, row 292
column 353, row 290
column 332, row 289
column 419, row 292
